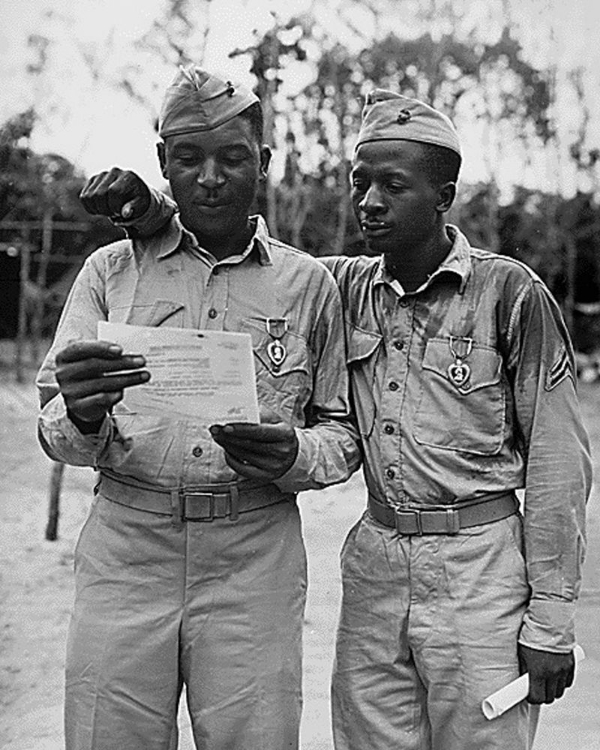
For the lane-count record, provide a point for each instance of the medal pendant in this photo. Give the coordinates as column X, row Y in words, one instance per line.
column 277, row 352
column 459, row 373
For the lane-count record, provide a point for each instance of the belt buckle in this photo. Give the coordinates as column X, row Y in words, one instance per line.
column 211, row 506
column 415, row 515
column 451, row 520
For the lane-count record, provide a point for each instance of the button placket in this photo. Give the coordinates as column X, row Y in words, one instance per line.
column 215, row 301
column 398, row 338
column 389, row 436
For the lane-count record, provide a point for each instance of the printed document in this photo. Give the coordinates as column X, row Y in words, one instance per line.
column 206, row 376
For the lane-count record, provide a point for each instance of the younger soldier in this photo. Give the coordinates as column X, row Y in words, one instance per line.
column 463, row 384
column 191, row 567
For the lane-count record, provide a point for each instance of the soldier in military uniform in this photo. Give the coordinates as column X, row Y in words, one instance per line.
column 462, row 374
column 191, row 568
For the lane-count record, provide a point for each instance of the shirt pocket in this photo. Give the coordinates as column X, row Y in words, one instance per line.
column 471, row 418
column 286, row 387
column 363, row 349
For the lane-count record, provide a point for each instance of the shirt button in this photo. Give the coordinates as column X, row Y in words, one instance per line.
column 212, row 313
column 399, row 345
column 390, row 473
column 197, row 451
column 389, row 429
column 393, row 386
column 216, row 271
column 404, row 303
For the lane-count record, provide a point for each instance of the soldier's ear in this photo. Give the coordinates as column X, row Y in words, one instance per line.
column 265, row 160
column 446, row 196
column 162, row 158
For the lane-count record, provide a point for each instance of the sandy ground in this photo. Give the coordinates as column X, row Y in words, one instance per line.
column 36, row 592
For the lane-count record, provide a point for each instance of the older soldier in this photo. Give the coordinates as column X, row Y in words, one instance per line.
column 191, row 566
column 463, row 383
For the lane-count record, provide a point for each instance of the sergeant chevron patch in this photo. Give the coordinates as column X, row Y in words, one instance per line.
column 560, row 370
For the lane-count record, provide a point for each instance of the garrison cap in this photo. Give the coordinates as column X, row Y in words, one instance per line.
column 388, row 116
column 197, row 100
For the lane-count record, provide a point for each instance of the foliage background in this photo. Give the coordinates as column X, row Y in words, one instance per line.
column 516, row 77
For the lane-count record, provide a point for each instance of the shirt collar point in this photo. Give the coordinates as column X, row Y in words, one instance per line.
column 171, row 241
column 261, row 241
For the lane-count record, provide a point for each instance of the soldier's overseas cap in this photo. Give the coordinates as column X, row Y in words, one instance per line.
column 389, row 116
column 197, row 100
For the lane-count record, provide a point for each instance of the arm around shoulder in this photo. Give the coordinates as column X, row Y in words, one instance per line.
column 155, row 219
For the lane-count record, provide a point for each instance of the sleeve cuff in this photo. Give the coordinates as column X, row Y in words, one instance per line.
column 295, row 478
column 66, row 441
column 549, row 626
column 159, row 212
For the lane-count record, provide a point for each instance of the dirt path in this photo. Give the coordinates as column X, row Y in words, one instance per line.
column 36, row 592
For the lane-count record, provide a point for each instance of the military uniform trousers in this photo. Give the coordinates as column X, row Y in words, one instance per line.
column 217, row 606
column 428, row 629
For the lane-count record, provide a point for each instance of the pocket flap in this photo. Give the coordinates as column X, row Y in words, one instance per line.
column 361, row 344
column 154, row 314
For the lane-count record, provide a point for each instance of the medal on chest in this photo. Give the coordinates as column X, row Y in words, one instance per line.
column 459, row 371
column 276, row 351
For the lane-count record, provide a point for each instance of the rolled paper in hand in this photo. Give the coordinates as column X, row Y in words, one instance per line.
column 516, row 691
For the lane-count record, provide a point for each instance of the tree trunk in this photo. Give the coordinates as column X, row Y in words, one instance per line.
column 39, row 308
column 24, row 265
column 493, row 241
column 267, row 102
column 570, row 269
column 342, row 207
column 56, row 478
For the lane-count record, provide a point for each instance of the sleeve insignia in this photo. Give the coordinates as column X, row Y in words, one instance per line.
column 561, row 369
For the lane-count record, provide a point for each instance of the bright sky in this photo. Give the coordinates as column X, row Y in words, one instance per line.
column 96, row 125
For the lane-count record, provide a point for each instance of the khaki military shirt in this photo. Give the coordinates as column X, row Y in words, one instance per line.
column 168, row 280
column 432, row 435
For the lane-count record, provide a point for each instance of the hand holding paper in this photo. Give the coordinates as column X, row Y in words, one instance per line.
column 207, row 376
column 265, row 451
column 92, row 377
column 515, row 692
